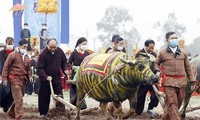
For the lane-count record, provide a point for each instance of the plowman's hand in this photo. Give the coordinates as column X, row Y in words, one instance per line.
column 158, row 74
column 31, row 79
column 5, row 83
column 66, row 72
column 49, row 78
column 74, row 67
column 193, row 85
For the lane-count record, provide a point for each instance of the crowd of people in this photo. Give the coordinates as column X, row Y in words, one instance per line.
column 24, row 71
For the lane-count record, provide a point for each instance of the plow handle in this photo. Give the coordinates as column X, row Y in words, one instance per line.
column 162, row 102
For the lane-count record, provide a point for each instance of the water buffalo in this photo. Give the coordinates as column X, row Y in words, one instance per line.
column 112, row 78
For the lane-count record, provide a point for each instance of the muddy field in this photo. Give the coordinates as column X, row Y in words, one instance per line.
column 32, row 114
column 31, row 111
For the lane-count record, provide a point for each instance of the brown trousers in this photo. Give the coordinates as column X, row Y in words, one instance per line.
column 174, row 99
column 16, row 110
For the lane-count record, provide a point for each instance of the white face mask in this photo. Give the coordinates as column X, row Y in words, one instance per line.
column 67, row 56
column 44, row 27
column 25, row 27
column 83, row 47
column 23, row 51
column 120, row 48
column 9, row 47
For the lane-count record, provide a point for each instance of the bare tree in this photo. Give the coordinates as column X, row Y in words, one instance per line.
column 193, row 48
column 171, row 24
column 116, row 20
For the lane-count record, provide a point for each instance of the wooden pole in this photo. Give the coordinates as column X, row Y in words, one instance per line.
column 160, row 96
column 192, row 109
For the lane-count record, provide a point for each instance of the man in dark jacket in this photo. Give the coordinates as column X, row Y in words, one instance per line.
column 26, row 34
column 43, row 36
column 51, row 60
column 5, row 92
column 143, row 89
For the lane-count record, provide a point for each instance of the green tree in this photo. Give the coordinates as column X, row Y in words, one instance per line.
column 117, row 20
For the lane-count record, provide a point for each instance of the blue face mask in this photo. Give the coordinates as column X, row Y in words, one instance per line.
column 173, row 43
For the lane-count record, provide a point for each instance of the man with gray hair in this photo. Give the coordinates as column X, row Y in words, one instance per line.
column 50, row 63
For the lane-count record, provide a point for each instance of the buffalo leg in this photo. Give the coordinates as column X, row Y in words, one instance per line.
column 103, row 107
column 132, row 103
column 79, row 102
column 111, row 109
column 118, row 110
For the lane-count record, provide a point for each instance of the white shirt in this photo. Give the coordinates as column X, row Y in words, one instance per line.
column 173, row 49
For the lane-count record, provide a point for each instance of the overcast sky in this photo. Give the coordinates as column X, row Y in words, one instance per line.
column 6, row 21
column 84, row 14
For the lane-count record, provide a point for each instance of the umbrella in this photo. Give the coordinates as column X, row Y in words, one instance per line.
column 47, row 6
column 17, row 7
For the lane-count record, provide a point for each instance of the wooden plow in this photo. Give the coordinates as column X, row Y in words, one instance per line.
column 67, row 104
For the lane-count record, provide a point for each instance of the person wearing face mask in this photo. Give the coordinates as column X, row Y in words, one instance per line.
column 6, row 98
column 118, row 45
column 16, row 72
column 143, row 89
column 26, row 34
column 29, row 85
column 69, row 71
column 176, row 68
column 44, row 36
column 33, row 63
column 51, row 61
column 75, row 60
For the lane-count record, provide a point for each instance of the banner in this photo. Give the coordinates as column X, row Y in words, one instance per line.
column 17, row 21
column 35, row 20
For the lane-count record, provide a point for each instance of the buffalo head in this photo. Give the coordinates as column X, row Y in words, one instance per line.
column 141, row 69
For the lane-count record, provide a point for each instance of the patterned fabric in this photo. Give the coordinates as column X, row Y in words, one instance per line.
column 99, row 64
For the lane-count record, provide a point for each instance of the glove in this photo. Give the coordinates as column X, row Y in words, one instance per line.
column 5, row 83
column 74, row 67
column 49, row 78
column 31, row 80
column 66, row 72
